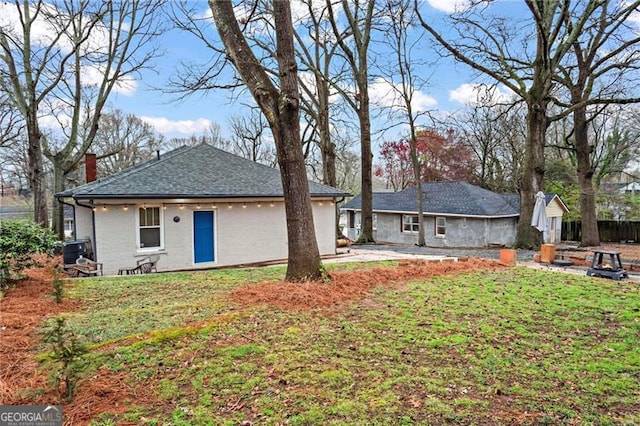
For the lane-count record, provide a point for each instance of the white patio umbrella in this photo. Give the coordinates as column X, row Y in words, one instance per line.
column 539, row 218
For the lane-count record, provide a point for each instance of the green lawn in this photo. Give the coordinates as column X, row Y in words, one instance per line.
column 514, row 346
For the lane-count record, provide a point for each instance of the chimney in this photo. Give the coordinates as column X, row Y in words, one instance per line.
column 90, row 167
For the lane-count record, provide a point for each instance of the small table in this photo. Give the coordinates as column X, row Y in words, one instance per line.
column 607, row 264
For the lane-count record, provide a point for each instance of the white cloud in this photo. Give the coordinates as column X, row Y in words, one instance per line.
column 479, row 94
column 422, row 101
column 300, row 10
column 634, row 17
column 186, row 127
column 449, row 6
column 385, row 94
column 46, row 26
column 93, row 75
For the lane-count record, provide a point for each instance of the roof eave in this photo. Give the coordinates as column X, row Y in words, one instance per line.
column 173, row 196
column 438, row 213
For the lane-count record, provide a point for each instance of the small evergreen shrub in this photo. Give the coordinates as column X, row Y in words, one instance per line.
column 66, row 352
column 58, row 286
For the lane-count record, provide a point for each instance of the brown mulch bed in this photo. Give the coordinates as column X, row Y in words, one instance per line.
column 29, row 303
column 22, row 309
column 25, row 306
column 347, row 285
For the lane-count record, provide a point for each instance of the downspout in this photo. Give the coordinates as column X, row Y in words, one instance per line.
column 94, row 243
column 75, row 233
column 337, row 213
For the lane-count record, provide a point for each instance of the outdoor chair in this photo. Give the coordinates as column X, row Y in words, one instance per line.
column 145, row 265
column 87, row 267
column 148, row 264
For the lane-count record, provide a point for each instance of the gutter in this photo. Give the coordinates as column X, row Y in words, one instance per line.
column 439, row 214
column 191, row 196
column 61, row 200
column 94, row 243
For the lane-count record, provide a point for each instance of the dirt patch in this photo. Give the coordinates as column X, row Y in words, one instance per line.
column 348, row 285
column 628, row 252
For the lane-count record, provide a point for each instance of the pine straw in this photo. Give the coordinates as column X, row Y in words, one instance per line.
column 25, row 307
column 348, row 285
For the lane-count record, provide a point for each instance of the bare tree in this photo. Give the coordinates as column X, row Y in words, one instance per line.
column 404, row 67
column 90, row 50
column 354, row 40
column 11, row 123
column 489, row 45
column 495, row 134
column 212, row 136
column 316, row 50
column 14, row 165
column 123, row 140
column 281, row 108
column 249, row 135
column 599, row 71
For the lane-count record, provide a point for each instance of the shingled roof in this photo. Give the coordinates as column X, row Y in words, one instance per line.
column 200, row 171
column 444, row 198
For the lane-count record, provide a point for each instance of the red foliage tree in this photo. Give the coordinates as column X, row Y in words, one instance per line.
column 395, row 169
column 442, row 158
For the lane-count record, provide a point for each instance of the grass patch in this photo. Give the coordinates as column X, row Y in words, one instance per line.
column 515, row 344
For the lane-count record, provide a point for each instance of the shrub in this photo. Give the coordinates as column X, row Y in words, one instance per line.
column 19, row 241
column 58, row 287
column 67, row 352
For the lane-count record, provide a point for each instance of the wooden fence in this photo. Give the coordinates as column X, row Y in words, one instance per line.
column 610, row 231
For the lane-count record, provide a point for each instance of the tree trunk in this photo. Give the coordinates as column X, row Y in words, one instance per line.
column 417, row 181
column 304, row 258
column 36, row 173
column 328, row 152
column 590, row 235
column 532, row 181
column 57, row 222
column 366, row 231
column 420, row 195
column 281, row 109
column 327, row 147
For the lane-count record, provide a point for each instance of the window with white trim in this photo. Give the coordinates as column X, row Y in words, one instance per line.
column 410, row 223
column 441, row 226
column 149, row 227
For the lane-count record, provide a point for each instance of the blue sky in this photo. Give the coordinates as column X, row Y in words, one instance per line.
column 448, row 91
column 450, row 88
column 451, row 85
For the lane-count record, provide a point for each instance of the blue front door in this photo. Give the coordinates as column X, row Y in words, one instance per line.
column 203, row 236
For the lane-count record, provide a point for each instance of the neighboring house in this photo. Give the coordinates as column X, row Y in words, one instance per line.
column 68, row 221
column 456, row 214
column 15, row 207
column 632, row 188
column 195, row 207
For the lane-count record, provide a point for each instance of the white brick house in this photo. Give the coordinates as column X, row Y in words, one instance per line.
column 196, row 207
